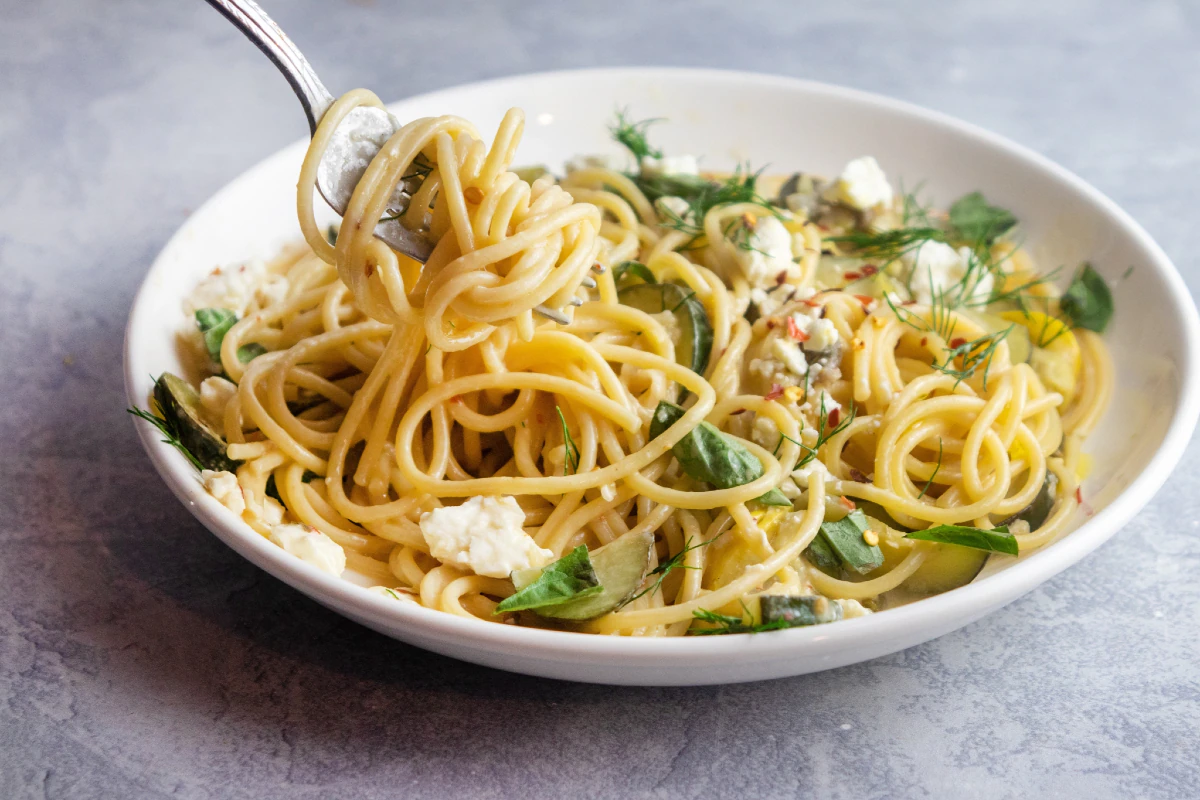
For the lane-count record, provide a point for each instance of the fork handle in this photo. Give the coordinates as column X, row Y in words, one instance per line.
column 262, row 30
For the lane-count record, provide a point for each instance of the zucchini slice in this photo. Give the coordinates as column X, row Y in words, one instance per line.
column 1036, row 512
column 796, row 611
column 693, row 334
column 180, row 405
column 948, row 567
column 620, row 566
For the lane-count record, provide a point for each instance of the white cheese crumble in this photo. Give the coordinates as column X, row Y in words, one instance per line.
column 485, row 535
column 767, row 252
column 768, row 301
column 311, row 545
column 671, row 208
column 802, row 474
column 215, row 394
column 225, row 488
column 789, row 354
column 765, row 433
column 596, row 161
column 936, row 267
column 863, row 185
column 822, row 333
column 852, row 609
column 669, row 165
column 272, row 290
column 228, row 287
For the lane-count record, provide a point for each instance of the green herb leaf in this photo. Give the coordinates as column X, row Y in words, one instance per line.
column 214, row 323
column 169, row 435
column 1088, row 301
column 248, row 352
column 973, row 220
column 821, row 555
column 570, row 577
column 635, row 269
column 997, row 540
column 798, row 611
column 708, row 455
column 774, row 498
column 729, row 624
column 845, row 539
column 674, row 562
column 570, row 449
column 331, row 234
column 632, row 135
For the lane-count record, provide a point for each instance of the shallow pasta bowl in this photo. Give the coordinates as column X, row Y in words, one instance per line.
column 731, row 117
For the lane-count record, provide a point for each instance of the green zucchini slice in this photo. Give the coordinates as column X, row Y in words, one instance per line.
column 948, row 567
column 180, row 405
column 693, row 334
column 620, row 566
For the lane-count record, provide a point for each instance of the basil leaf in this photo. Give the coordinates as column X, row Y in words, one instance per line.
column 795, row 612
column 635, row 268
column 570, row 577
column 821, row 556
column 1088, row 301
column 845, row 539
column 248, row 352
column 973, row 220
column 774, row 498
column 708, row 455
column 997, row 540
column 214, row 323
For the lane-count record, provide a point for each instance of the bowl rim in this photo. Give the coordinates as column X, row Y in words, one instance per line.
column 963, row 604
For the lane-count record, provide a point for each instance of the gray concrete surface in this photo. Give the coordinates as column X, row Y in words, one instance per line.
column 140, row 658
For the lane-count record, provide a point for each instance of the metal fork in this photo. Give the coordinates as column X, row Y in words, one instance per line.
column 356, row 141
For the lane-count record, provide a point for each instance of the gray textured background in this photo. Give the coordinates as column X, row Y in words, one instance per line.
column 140, row 658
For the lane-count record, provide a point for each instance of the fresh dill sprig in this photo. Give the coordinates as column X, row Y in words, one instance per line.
column 888, row 246
column 974, row 354
column 674, row 562
column 729, row 624
column 170, row 435
column 913, row 214
column 823, row 434
column 571, row 450
column 936, row 468
column 633, row 136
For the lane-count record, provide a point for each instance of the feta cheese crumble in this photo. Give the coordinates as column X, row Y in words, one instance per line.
column 228, row 287
column 484, row 535
column 670, row 207
column 863, row 185
column 215, row 394
column 936, row 267
column 309, row 544
column 669, row 165
column 766, row 253
column 225, row 488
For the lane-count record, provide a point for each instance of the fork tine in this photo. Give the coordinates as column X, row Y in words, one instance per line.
column 550, row 313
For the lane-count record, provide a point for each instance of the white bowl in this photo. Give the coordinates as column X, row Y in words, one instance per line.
column 789, row 124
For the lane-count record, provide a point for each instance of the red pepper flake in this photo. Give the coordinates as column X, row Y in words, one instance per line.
column 794, row 330
column 771, row 323
column 853, row 276
column 457, row 399
column 847, row 503
column 834, row 415
column 1079, row 499
column 857, row 476
column 869, row 270
column 866, row 300
column 957, row 342
column 739, row 411
column 924, row 341
column 811, row 303
column 781, row 278
column 775, row 393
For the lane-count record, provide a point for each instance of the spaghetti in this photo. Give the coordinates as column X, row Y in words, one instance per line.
column 878, row 372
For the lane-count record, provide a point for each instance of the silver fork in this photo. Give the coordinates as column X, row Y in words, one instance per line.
column 356, row 141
